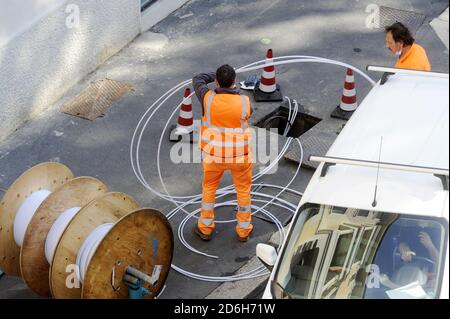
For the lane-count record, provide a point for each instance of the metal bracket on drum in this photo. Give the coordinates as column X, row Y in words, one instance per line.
column 135, row 280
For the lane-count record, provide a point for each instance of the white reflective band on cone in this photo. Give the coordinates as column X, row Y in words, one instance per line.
column 186, row 115
column 268, row 88
column 88, row 248
column 349, row 93
column 56, row 231
column 25, row 214
column 187, row 101
column 183, row 130
column 348, row 107
column 269, row 75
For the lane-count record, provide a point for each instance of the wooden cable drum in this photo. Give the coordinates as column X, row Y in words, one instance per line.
column 108, row 208
column 76, row 192
column 142, row 239
column 68, row 238
column 45, row 176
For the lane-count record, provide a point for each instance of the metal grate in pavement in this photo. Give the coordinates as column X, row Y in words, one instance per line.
column 316, row 141
column 96, row 99
column 413, row 20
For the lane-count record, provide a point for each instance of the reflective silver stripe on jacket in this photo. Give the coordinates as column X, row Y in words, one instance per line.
column 237, row 130
column 244, row 112
column 243, row 119
column 224, row 144
column 208, row 108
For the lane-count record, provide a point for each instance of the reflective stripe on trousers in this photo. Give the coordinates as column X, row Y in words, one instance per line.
column 244, row 221
column 242, row 179
column 206, row 221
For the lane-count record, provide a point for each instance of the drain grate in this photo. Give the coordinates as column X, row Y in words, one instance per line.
column 412, row 20
column 96, row 99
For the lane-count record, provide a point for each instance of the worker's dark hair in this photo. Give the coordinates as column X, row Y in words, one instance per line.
column 225, row 75
column 400, row 33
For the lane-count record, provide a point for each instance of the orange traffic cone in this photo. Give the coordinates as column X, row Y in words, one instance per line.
column 186, row 118
column 267, row 90
column 185, row 124
column 348, row 101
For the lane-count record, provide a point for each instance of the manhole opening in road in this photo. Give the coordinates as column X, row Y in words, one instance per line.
column 96, row 99
column 413, row 20
column 278, row 119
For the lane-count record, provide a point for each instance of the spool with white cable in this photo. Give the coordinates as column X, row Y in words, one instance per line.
column 35, row 185
column 143, row 240
column 57, row 230
column 40, row 221
column 48, row 218
column 47, row 226
column 105, row 209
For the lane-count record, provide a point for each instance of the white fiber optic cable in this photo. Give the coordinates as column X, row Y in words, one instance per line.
column 26, row 212
column 88, row 248
column 182, row 202
column 56, row 231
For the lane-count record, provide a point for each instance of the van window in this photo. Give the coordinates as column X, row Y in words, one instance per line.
column 339, row 253
column 342, row 249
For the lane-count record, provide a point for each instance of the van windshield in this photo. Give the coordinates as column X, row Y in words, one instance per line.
column 335, row 252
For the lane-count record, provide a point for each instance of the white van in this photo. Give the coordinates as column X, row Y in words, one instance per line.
column 374, row 219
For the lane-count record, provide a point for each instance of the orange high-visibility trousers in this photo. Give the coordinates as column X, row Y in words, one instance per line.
column 242, row 179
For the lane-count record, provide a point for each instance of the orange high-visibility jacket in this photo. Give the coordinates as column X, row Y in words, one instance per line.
column 415, row 59
column 224, row 131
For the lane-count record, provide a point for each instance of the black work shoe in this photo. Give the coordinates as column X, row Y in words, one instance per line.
column 201, row 235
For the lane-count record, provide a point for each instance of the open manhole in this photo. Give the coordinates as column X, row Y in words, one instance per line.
column 279, row 119
column 96, row 99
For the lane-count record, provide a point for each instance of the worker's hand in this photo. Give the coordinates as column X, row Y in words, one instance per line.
column 425, row 240
column 406, row 253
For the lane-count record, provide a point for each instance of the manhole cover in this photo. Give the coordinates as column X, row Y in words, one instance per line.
column 313, row 144
column 95, row 100
column 412, row 20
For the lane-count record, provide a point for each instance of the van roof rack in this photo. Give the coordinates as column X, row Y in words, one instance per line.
column 387, row 71
column 328, row 161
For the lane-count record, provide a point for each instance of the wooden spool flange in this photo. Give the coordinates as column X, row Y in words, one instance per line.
column 143, row 239
column 45, row 176
column 108, row 208
column 76, row 192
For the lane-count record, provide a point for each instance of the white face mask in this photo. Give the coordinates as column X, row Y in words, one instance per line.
column 398, row 53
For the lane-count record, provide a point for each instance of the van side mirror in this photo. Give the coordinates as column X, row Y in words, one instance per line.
column 267, row 255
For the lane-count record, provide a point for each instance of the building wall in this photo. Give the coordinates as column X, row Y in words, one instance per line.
column 51, row 53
